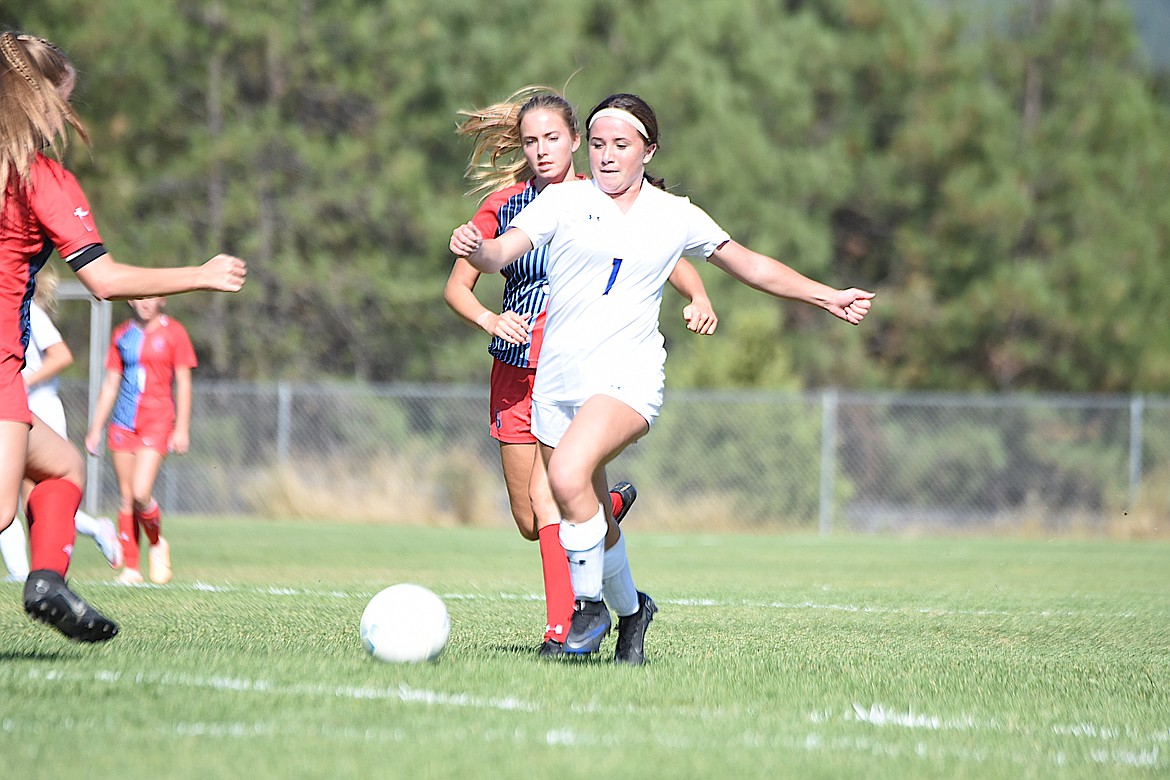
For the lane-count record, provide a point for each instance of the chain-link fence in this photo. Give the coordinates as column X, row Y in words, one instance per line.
column 828, row 461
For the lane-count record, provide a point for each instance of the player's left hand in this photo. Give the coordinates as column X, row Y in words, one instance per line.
column 700, row 317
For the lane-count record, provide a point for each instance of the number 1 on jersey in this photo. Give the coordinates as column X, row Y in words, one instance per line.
column 617, row 264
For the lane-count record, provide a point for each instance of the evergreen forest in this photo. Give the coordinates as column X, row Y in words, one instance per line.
column 999, row 173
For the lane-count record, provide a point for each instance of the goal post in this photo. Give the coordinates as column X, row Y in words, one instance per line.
column 101, row 315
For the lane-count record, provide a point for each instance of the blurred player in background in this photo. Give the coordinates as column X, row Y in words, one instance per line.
column 612, row 243
column 146, row 396
column 45, row 358
column 44, row 209
column 528, row 143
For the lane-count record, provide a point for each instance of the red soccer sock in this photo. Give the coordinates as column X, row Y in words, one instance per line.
column 558, row 588
column 51, row 507
column 128, row 535
column 150, row 519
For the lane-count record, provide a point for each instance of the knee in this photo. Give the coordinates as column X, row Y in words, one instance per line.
column 73, row 470
column 565, row 481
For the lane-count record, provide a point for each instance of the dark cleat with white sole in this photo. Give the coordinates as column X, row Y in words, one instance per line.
column 48, row 599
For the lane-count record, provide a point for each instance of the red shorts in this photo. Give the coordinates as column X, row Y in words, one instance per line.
column 13, row 396
column 511, row 403
column 156, row 438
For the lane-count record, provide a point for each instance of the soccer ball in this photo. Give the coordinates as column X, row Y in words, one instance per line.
column 405, row 623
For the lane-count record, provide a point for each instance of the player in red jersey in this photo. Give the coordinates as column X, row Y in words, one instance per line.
column 146, row 396
column 529, row 140
column 43, row 210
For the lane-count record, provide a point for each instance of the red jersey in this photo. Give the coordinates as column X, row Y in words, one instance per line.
column 147, row 361
column 47, row 211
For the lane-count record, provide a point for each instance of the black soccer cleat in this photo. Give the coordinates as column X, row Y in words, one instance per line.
column 591, row 623
column 629, row 495
column 551, row 648
column 48, row 599
column 631, row 643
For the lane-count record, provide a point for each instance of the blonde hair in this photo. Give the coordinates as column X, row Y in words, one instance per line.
column 497, row 159
column 47, row 282
column 35, row 80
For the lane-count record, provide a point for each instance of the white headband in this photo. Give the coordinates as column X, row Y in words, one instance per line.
column 625, row 116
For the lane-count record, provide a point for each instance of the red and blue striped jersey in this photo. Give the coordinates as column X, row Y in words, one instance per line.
column 525, row 280
column 147, row 361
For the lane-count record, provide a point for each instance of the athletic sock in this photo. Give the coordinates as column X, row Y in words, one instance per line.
column 617, row 581
column 584, row 545
column 87, row 524
column 51, row 506
column 558, row 588
column 128, row 534
column 150, row 519
column 14, row 548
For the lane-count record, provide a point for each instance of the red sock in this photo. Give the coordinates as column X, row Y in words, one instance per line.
column 51, row 507
column 128, row 534
column 558, row 589
column 615, row 498
column 150, row 520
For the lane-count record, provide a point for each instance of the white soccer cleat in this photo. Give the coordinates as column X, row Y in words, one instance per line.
column 160, row 562
column 109, row 543
column 130, row 577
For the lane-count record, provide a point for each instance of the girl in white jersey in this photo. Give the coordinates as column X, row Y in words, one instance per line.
column 46, row 357
column 612, row 243
column 528, row 142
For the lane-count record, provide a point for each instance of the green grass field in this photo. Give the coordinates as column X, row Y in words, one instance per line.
column 772, row 656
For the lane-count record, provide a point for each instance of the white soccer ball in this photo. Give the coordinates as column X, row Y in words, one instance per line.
column 405, row 623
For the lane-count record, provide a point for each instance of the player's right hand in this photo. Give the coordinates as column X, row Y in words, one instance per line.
column 225, row 273
column 465, row 240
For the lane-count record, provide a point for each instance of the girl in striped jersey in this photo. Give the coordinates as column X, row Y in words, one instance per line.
column 528, row 141
column 42, row 210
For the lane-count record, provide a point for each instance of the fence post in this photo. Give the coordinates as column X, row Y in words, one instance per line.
column 828, row 459
column 1137, row 406
column 283, row 419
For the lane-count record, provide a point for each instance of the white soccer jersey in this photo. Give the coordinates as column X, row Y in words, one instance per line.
column 43, row 399
column 606, row 271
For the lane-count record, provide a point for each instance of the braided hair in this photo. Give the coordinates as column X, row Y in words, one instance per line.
column 36, row 79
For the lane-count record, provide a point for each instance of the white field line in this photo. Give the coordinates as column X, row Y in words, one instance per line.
column 272, row 590
column 401, row 692
column 1145, row 756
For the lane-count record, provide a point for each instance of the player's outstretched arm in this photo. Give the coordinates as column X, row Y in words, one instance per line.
column 775, row 278
column 110, row 280
column 699, row 313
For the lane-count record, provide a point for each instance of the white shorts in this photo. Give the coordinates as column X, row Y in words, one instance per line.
column 50, row 410
column 550, row 420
